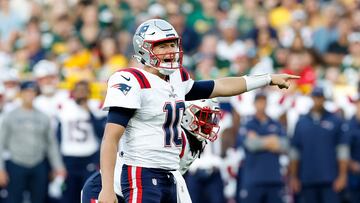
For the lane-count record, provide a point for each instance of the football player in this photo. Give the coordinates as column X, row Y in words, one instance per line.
column 79, row 130
column 145, row 108
column 199, row 123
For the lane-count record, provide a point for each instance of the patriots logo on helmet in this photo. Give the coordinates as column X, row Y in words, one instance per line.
column 143, row 30
column 124, row 88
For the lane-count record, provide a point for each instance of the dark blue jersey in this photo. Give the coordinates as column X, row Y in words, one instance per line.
column 316, row 141
column 353, row 133
column 262, row 167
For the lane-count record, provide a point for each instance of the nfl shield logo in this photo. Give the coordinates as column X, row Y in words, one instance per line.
column 124, row 88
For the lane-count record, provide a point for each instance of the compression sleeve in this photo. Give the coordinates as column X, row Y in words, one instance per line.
column 200, row 90
column 119, row 115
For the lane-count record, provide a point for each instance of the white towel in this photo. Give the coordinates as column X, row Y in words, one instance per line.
column 181, row 189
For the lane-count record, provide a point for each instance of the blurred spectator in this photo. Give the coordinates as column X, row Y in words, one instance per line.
column 296, row 32
column 354, row 164
column 355, row 20
column 10, row 25
column 326, row 33
column 281, row 16
column 203, row 19
column 2, row 100
column 89, row 28
column 336, row 50
column 206, row 68
column 25, row 133
column 265, row 45
column 264, row 141
column 263, row 36
column 229, row 47
column 79, row 131
column 247, row 15
column 342, row 94
column 279, row 57
column 348, row 6
column 110, row 57
column 190, row 39
column 80, row 64
column 11, row 80
column 319, row 154
column 312, row 8
column 130, row 12
column 124, row 44
column 300, row 63
column 351, row 62
column 61, row 31
column 205, row 58
column 29, row 47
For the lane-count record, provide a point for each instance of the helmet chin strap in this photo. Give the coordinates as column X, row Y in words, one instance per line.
column 165, row 71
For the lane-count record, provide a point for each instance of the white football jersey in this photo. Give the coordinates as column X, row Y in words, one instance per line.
column 77, row 133
column 51, row 105
column 152, row 137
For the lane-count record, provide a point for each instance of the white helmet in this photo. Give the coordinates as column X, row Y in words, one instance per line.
column 151, row 32
column 45, row 68
column 201, row 118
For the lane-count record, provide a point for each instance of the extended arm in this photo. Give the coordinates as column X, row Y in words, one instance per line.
column 231, row 86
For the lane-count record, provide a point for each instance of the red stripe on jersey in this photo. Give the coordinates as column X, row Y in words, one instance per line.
column 350, row 99
column 130, row 183
column 183, row 145
column 184, row 74
column 138, row 185
column 140, row 77
column 92, row 200
column 282, row 99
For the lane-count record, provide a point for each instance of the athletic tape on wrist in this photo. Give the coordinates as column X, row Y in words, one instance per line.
column 256, row 81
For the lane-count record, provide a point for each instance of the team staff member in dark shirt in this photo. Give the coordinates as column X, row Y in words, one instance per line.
column 264, row 142
column 319, row 154
column 353, row 131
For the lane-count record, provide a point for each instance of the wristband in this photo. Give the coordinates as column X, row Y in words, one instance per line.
column 256, row 81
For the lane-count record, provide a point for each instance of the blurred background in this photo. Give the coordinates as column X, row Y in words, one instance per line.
column 295, row 145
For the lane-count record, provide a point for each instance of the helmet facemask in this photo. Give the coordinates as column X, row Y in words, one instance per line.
column 205, row 122
column 166, row 63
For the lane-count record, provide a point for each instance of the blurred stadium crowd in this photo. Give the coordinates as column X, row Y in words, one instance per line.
column 275, row 145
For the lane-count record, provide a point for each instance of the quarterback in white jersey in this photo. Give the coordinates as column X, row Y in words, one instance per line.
column 143, row 144
column 145, row 108
column 199, row 123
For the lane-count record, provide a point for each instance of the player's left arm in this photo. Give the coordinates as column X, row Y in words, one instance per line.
column 231, row 86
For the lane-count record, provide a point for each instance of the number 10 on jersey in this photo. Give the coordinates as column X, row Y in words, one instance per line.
column 172, row 122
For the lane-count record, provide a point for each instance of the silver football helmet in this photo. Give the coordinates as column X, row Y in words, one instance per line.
column 201, row 118
column 152, row 32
